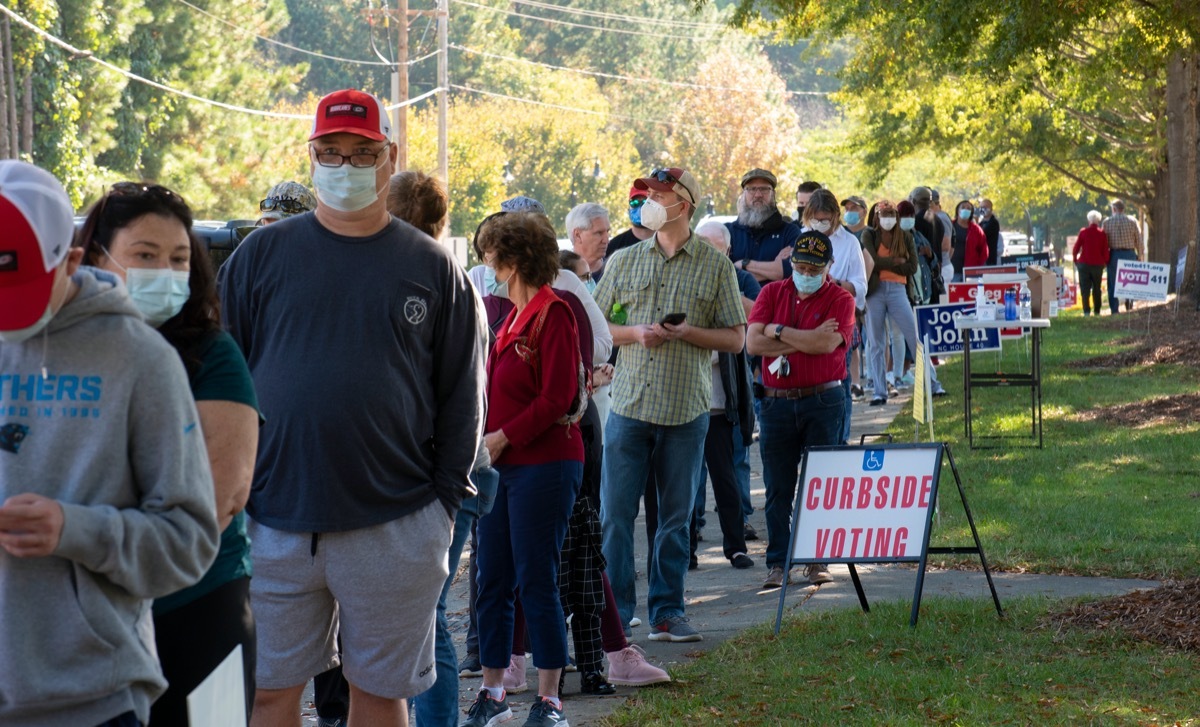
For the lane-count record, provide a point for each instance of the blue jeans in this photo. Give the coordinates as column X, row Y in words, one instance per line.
column 633, row 448
column 788, row 426
column 519, row 545
column 438, row 705
column 1114, row 305
column 849, row 403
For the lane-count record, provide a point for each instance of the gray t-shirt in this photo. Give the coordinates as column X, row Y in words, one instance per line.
column 367, row 355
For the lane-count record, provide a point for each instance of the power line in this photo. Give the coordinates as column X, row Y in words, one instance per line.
column 290, row 47
column 163, row 87
column 588, row 27
column 578, row 110
column 623, row 18
column 658, row 81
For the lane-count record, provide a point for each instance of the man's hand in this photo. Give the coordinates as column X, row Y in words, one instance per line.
column 496, row 442
column 30, row 525
column 670, row 333
column 784, row 254
column 648, row 335
column 829, row 326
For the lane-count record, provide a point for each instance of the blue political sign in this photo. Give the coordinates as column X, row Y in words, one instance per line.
column 937, row 322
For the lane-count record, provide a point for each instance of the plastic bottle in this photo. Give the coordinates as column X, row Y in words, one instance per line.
column 618, row 314
column 1010, row 305
column 1026, row 303
column 981, row 301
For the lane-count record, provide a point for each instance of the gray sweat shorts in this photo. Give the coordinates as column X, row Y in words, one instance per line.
column 378, row 585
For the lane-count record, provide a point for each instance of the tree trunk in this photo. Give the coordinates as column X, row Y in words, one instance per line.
column 13, row 130
column 27, row 117
column 1192, row 115
column 5, row 50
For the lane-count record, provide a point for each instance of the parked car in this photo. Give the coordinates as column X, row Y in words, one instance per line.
column 222, row 238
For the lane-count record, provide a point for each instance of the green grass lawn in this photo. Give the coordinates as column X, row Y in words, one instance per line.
column 1099, row 499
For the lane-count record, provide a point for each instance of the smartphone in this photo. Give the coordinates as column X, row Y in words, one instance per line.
column 673, row 319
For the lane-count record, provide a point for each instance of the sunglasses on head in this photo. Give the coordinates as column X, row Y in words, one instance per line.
column 283, row 204
column 663, row 176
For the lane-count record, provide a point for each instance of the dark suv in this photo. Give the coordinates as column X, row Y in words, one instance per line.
column 222, row 238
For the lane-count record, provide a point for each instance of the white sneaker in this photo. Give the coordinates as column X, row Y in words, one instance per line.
column 635, row 621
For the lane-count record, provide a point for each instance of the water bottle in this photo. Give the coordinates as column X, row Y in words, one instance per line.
column 1026, row 303
column 981, row 303
column 1010, row 305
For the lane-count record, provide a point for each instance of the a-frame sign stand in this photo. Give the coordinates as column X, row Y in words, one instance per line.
column 877, row 495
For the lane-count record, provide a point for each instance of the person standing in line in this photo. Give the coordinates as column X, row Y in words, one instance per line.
column 285, row 200
column 678, row 300
column 533, row 379
column 637, row 231
column 351, row 320
column 1123, row 243
column 760, row 237
column 802, row 328
column 142, row 234
column 933, row 222
column 1091, row 254
column 588, row 230
column 970, row 244
column 990, row 224
column 106, row 496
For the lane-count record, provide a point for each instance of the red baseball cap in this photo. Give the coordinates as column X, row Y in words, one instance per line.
column 38, row 223
column 635, row 192
column 353, row 112
column 671, row 180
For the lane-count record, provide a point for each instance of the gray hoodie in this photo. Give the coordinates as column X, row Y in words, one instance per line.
column 97, row 413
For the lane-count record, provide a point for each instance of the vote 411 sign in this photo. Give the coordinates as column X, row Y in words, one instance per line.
column 1142, row 281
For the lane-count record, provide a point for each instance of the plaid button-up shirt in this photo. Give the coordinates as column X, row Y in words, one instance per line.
column 670, row 384
column 1122, row 233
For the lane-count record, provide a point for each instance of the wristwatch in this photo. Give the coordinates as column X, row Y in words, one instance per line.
column 778, row 331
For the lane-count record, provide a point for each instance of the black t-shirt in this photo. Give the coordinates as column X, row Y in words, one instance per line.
column 991, row 231
column 959, row 242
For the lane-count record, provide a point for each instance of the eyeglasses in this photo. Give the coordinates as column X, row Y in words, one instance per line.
column 759, row 190
column 286, row 205
column 358, row 160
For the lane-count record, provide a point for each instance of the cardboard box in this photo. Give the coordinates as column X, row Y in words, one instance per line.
column 1043, row 290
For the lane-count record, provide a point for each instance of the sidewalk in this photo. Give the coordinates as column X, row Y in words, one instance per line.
column 722, row 601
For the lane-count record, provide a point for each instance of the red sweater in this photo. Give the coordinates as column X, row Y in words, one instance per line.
column 977, row 247
column 1091, row 247
column 516, row 404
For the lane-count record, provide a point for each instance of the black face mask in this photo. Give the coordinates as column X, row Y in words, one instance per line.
column 800, row 213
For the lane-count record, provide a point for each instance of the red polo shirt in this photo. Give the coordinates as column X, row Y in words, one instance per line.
column 780, row 303
column 526, row 412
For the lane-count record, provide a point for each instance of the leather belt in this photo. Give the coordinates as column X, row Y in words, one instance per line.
column 800, row 393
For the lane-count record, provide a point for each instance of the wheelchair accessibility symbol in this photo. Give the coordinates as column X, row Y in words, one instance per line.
column 873, row 460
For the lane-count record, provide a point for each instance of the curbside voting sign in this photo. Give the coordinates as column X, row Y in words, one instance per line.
column 1137, row 280
column 866, row 504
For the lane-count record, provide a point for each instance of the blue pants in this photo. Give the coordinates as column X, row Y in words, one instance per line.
column 786, row 428
column 1114, row 305
column 741, row 470
column 438, row 705
column 519, row 544
column 633, row 449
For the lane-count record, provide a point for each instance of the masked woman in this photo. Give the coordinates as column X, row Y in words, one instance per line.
column 142, row 233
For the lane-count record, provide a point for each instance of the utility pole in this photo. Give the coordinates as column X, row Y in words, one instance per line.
column 443, row 17
column 400, row 124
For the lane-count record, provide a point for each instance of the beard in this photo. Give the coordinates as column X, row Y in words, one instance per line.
column 755, row 216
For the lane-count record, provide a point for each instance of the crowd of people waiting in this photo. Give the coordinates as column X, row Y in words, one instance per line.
column 342, row 406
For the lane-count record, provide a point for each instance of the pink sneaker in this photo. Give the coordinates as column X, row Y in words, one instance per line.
column 628, row 667
column 514, row 675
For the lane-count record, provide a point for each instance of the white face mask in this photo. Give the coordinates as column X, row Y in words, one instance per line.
column 24, row 334
column 159, row 293
column 822, row 226
column 346, row 188
column 654, row 215
column 887, row 223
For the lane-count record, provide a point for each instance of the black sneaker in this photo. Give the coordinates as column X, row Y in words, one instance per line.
column 593, row 682
column 749, row 532
column 543, row 714
column 487, row 712
column 741, row 561
column 470, row 666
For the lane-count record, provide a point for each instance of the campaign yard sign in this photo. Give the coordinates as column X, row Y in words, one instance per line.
column 1024, row 261
column 1138, row 280
column 981, row 270
column 865, row 504
column 965, row 292
column 935, row 324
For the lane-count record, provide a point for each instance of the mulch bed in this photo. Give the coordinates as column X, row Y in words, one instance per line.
column 1168, row 615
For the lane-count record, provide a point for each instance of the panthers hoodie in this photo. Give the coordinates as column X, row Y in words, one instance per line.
column 96, row 413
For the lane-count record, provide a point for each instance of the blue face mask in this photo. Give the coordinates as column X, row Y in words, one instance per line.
column 852, row 218
column 492, row 286
column 807, row 284
column 635, row 215
column 964, row 213
column 907, row 223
